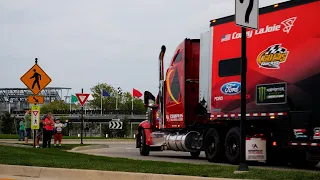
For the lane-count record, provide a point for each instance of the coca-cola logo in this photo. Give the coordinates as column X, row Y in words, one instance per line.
column 231, row 88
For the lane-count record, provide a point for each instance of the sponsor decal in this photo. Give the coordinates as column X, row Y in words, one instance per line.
column 215, row 110
column 218, row 98
column 316, row 135
column 272, row 57
column 226, row 37
column 231, row 88
column 254, row 146
column 299, row 133
column 271, row 93
column 255, row 149
column 286, row 26
column 174, row 117
column 235, row 97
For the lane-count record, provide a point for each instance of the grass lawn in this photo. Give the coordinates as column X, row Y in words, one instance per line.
column 56, row 157
column 15, row 136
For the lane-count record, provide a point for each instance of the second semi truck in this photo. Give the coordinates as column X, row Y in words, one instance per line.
column 198, row 104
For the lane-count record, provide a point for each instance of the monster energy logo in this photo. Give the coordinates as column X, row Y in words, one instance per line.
column 262, row 93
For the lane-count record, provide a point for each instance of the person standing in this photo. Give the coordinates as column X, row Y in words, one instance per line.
column 39, row 133
column 27, row 126
column 48, row 125
column 21, row 130
column 58, row 132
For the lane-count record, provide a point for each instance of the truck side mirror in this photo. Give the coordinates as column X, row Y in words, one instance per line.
column 149, row 99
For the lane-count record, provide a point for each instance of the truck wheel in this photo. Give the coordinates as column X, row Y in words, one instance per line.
column 304, row 164
column 212, row 146
column 195, row 154
column 311, row 164
column 232, row 145
column 300, row 161
column 144, row 148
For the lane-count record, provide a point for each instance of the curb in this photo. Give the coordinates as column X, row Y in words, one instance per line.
column 83, row 148
column 79, row 174
column 14, row 145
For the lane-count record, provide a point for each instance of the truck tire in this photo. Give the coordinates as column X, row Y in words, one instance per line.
column 195, row 154
column 232, row 145
column 304, row 164
column 144, row 148
column 212, row 146
column 300, row 161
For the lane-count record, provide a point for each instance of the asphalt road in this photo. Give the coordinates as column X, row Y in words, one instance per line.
column 126, row 149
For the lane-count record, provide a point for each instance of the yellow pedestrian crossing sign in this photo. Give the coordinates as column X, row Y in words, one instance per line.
column 35, row 117
column 35, row 79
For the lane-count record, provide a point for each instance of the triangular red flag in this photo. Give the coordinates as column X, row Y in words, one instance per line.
column 136, row 93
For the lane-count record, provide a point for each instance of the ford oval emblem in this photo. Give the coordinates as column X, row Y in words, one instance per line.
column 231, row 88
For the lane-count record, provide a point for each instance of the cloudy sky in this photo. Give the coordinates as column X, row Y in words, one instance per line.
column 80, row 43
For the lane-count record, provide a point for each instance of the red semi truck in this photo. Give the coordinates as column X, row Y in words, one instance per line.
column 198, row 104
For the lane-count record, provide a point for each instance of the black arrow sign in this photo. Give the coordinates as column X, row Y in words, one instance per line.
column 35, row 99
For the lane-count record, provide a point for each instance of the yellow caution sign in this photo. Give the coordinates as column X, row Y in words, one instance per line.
column 35, row 79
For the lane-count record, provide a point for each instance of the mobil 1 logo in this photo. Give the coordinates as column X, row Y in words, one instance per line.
column 271, row 93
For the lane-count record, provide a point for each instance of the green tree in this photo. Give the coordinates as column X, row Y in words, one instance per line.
column 109, row 103
column 125, row 131
column 7, row 124
column 54, row 106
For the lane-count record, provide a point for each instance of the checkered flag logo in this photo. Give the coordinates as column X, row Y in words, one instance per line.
column 275, row 49
column 288, row 24
column 272, row 57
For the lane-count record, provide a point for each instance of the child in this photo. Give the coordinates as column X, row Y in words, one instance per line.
column 21, row 130
column 39, row 133
column 58, row 131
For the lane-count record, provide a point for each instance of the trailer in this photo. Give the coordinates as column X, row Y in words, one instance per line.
column 198, row 104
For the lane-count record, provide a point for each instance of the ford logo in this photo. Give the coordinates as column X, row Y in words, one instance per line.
column 231, row 88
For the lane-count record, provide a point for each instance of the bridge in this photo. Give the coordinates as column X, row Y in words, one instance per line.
column 16, row 98
column 93, row 115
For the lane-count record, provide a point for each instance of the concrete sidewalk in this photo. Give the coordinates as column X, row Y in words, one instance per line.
column 32, row 172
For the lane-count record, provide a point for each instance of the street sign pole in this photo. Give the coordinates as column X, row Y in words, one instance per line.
column 243, row 166
column 81, row 120
column 247, row 13
column 34, row 135
column 82, row 100
column 34, row 130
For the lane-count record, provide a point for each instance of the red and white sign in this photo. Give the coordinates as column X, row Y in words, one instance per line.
column 82, row 98
column 35, row 113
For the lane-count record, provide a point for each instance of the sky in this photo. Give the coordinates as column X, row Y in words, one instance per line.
column 81, row 43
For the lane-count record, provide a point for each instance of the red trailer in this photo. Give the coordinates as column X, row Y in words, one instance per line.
column 198, row 104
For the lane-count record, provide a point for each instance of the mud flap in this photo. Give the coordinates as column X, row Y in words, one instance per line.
column 256, row 149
